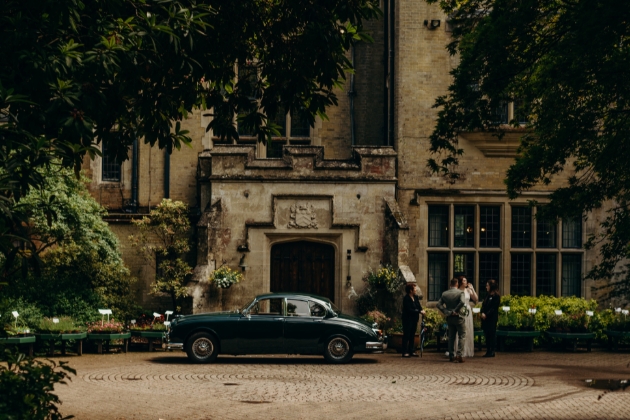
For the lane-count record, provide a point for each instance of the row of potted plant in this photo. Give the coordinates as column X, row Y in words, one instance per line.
column 66, row 325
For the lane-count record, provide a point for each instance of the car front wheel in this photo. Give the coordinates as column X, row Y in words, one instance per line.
column 202, row 348
column 338, row 350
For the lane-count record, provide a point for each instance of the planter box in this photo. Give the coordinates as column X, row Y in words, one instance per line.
column 150, row 335
column 107, row 337
column 614, row 337
column 394, row 341
column 526, row 336
column 574, row 338
column 51, row 337
column 17, row 340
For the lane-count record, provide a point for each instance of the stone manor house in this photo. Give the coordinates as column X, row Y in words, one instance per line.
column 321, row 205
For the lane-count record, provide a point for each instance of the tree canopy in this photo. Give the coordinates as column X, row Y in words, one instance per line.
column 77, row 72
column 566, row 66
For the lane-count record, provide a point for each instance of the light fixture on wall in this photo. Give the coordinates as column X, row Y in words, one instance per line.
column 241, row 263
column 432, row 24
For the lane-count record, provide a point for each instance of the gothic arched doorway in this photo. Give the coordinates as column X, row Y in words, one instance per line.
column 303, row 266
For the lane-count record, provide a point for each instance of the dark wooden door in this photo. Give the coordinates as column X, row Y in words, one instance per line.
column 303, row 266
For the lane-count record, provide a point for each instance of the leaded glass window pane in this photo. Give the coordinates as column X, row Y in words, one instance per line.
column 490, row 226
column 488, row 269
column 521, row 274
column 281, row 120
column 546, row 274
column 110, row 167
column 299, row 125
column 464, row 262
column 521, row 227
column 438, row 274
column 572, row 233
column 464, row 228
column 438, row 226
column 571, row 275
column 501, row 113
column 546, row 233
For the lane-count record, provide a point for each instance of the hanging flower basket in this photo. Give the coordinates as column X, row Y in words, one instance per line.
column 224, row 277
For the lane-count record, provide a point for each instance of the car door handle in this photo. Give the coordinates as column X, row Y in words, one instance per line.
column 278, row 319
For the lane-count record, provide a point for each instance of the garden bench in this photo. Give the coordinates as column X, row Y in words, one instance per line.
column 614, row 337
column 150, row 336
column 526, row 336
column 17, row 341
column 100, row 338
column 79, row 337
column 574, row 338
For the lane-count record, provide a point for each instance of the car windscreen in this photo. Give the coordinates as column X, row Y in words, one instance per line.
column 248, row 305
column 334, row 308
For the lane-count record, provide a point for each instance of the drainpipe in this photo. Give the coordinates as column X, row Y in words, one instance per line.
column 134, row 176
column 389, row 46
column 167, row 174
column 351, row 94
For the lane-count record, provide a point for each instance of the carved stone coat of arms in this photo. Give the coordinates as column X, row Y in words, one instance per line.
column 303, row 216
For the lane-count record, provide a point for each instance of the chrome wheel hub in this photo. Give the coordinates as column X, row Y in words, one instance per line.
column 338, row 348
column 202, row 348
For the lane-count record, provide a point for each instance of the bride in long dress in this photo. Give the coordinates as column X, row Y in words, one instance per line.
column 471, row 299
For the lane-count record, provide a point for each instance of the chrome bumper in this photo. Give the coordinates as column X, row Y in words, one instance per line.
column 173, row 346
column 170, row 346
column 376, row 346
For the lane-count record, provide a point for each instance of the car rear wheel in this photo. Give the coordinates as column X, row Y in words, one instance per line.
column 202, row 348
column 338, row 350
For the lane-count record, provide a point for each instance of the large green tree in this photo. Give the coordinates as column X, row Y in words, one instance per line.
column 566, row 63
column 76, row 72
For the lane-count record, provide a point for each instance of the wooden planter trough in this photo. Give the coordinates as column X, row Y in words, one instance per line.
column 614, row 337
column 107, row 337
column 574, row 338
column 526, row 336
column 16, row 341
column 64, row 337
column 149, row 335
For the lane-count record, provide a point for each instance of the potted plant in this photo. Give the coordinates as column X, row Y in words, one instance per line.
column 385, row 278
column 146, row 330
column 18, row 333
column 62, row 328
column 224, row 277
column 105, row 331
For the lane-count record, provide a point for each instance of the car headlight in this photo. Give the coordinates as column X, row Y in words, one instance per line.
column 379, row 333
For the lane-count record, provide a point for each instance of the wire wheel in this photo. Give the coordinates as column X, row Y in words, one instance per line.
column 202, row 348
column 338, row 350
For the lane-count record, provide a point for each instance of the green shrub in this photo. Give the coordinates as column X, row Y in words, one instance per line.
column 26, row 387
column 433, row 320
column 29, row 314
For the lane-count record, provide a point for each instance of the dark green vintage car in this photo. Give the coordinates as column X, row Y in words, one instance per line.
column 285, row 323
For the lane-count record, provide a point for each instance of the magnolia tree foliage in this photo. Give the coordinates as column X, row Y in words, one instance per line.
column 77, row 72
column 164, row 240
column 566, row 66
column 81, row 264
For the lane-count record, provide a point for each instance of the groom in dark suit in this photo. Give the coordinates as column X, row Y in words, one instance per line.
column 449, row 304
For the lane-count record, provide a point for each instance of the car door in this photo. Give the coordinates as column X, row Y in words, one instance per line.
column 261, row 331
column 303, row 326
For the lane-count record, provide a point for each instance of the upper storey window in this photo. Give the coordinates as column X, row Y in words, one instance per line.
column 110, row 166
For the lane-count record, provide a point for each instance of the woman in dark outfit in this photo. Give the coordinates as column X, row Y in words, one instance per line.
column 410, row 316
column 490, row 316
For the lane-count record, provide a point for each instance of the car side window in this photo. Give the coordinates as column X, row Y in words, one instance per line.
column 317, row 309
column 267, row 307
column 297, row 308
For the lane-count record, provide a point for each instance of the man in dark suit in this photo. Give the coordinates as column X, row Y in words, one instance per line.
column 449, row 304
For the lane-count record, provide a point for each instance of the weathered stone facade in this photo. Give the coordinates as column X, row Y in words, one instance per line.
column 371, row 204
